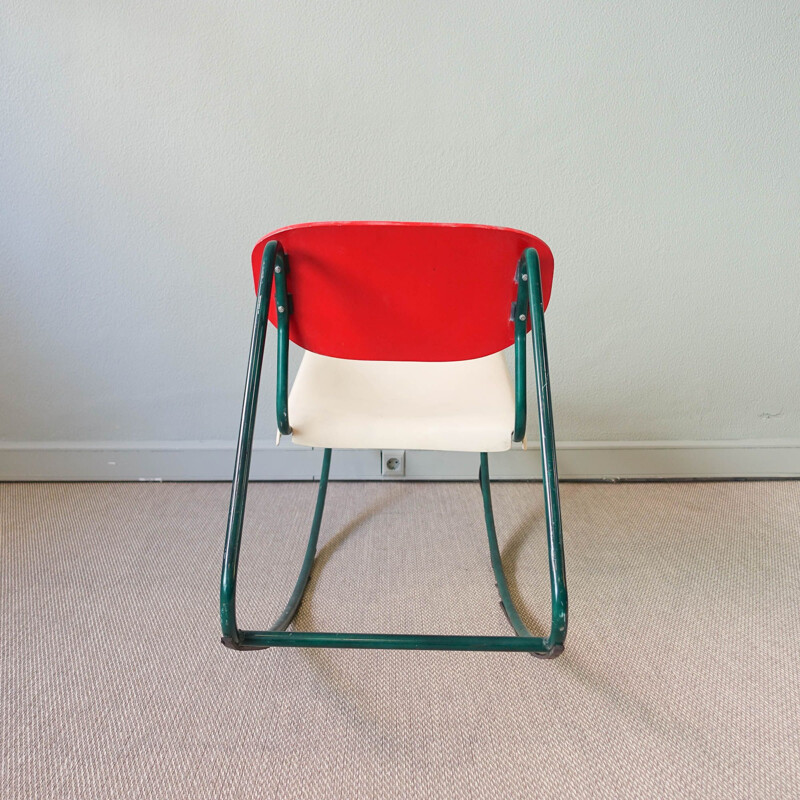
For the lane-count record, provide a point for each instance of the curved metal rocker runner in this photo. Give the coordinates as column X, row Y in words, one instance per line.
column 364, row 296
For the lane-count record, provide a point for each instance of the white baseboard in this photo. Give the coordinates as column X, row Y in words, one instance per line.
column 213, row 461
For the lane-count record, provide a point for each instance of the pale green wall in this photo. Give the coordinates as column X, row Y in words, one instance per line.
column 147, row 146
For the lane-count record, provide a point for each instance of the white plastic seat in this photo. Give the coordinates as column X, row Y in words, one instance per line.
column 404, row 405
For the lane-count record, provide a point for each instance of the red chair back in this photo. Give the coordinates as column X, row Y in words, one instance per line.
column 403, row 291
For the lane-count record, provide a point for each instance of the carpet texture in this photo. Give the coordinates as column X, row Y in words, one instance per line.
column 681, row 675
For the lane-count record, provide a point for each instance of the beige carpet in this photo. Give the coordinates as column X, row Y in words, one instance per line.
column 681, row 677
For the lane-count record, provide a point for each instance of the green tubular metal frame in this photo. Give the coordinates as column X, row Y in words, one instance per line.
column 519, row 312
column 283, row 307
column 529, row 300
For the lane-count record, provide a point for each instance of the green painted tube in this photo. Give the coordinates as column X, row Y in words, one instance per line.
column 258, row 640
column 494, row 552
column 552, row 505
column 283, row 311
column 282, row 623
column 241, row 470
column 520, row 311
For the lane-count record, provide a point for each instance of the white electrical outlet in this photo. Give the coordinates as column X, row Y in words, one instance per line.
column 393, row 463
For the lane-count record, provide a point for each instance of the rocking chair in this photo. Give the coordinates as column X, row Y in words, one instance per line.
column 403, row 325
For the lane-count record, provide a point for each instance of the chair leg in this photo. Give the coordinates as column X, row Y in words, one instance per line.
column 285, row 619
column 244, row 448
column 293, row 605
column 277, row 635
column 547, row 441
column 530, row 299
column 553, row 645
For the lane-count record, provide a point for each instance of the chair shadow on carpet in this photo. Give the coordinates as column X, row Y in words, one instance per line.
column 335, row 667
column 510, row 554
column 532, row 525
column 592, row 668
